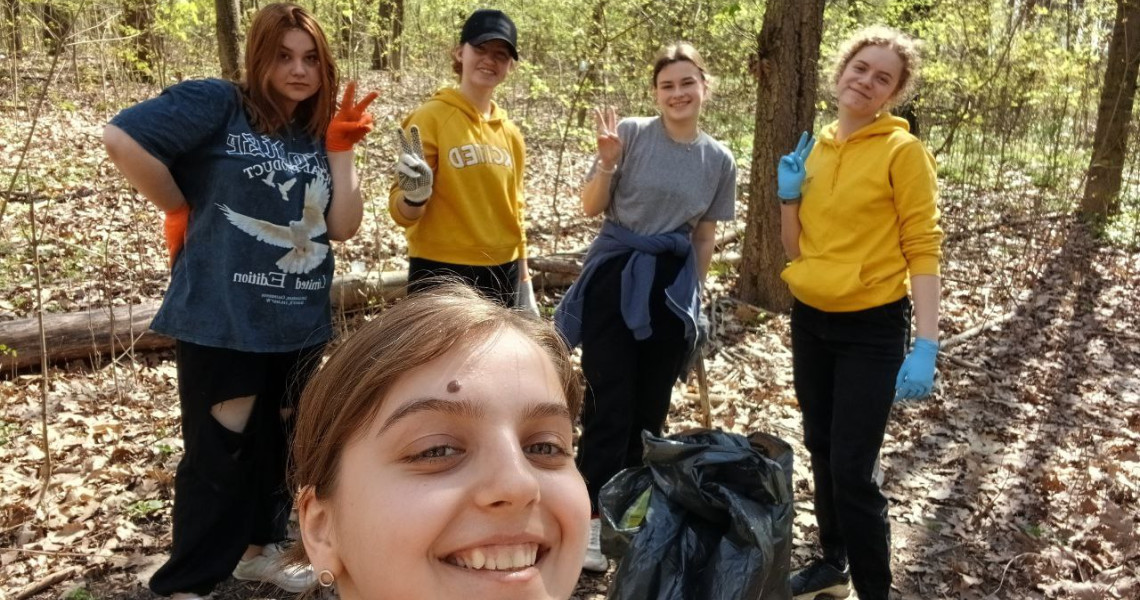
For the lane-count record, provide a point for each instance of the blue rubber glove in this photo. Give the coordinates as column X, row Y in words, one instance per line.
column 916, row 376
column 790, row 172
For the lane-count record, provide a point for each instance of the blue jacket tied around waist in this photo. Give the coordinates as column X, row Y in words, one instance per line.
column 682, row 296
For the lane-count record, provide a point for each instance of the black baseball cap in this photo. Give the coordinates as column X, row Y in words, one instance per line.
column 488, row 24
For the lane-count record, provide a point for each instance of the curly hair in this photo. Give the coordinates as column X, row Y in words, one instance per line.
column 905, row 46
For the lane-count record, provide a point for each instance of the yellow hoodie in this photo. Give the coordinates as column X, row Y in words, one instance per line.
column 475, row 213
column 869, row 215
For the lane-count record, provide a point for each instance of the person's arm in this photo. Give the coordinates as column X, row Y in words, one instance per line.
column 142, row 170
column 518, row 148
column 790, row 229
column 346, row 209
column 790, row 174
column 596, row 192
column 416, row 165
column 926, row 292
column 914, row 178
column 704, row 242
column 408, row 214
column 348, row 126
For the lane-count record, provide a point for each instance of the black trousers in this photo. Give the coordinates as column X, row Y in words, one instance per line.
column 628, row 382
column 497, row 282
column 845, row 366
column 229, row 490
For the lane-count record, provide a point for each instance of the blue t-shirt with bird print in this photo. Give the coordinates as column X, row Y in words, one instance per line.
column 255, row 272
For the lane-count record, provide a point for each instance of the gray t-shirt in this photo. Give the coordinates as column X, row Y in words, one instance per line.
column 661, row 184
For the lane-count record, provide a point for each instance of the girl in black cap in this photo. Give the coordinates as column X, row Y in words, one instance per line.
column 458, row 191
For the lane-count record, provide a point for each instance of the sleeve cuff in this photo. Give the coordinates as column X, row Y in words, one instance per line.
column 925, row 265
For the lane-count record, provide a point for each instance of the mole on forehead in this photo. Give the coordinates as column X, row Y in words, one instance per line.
column 454, row 386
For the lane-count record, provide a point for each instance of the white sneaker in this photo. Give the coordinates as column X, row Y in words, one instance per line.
column 269, row 567
column 595, row 560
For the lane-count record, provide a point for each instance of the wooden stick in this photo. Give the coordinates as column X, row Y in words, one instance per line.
column 46, row 582
column 703, row 388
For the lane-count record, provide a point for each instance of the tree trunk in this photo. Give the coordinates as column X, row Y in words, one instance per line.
column 592, row 81
column 344, row 33
column 57, row 26
column 386, row 52
column 138, row 27
column 1114, row 116
column 229, row 37
column 13, row 42
column 787, row 57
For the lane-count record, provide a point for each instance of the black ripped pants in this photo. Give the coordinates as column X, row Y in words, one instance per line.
column 229, row 490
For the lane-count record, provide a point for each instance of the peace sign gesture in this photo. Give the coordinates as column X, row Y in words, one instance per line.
column 790, row 172
column 350, row 123
column 609, row 144
column 413, row 174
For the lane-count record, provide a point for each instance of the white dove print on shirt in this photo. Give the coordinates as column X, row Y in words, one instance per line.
column 283, row 188
column 304, row 254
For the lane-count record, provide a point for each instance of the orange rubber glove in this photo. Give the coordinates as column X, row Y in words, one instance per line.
column 350, row 123
column 174, row 228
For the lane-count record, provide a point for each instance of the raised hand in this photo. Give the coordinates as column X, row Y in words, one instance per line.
column 413, row 174
column 609, row 144
column 790, row 172
column 916, row 376
column 350, row 123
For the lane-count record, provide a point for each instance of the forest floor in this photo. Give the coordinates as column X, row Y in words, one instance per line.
column 1019, row 478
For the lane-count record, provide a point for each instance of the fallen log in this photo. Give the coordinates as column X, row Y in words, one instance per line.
column 100, row 333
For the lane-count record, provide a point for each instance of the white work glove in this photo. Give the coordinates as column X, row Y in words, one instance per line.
column 524, row 299
column 412, row 172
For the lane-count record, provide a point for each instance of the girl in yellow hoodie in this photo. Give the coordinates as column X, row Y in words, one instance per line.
column 458, row 191
column 859, row 221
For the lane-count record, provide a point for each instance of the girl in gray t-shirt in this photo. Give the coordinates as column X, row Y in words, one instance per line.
column 662, row 185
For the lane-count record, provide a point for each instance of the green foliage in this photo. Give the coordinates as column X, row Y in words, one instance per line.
column 7, row 430
column 1123, row 228
column 143, row 509
column 79, row 593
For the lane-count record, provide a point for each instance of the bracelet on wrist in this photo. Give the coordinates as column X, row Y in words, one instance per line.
column 414, row 203
column 609, row 171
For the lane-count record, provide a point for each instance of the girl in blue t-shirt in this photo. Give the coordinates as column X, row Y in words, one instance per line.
column 255, row 179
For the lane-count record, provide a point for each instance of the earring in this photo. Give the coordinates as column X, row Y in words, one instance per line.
column 326, row 578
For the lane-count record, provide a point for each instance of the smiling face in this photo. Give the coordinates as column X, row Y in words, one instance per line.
column 484, row 66
column 680, row 91
column 471, row 493
column 869, row 81
column 295, row 74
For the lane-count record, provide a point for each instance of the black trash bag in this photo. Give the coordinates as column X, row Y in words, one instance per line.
column 718, row 525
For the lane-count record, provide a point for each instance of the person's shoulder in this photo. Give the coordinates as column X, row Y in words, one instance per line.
column 720, row 148
column 434, row 112
column 636, row 124
column 210, row 88
column 512, row 129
